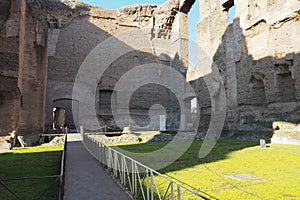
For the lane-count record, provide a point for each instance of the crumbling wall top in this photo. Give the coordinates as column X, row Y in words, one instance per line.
column 140, row 16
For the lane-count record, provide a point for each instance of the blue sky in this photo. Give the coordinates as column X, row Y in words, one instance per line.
column 193, row 15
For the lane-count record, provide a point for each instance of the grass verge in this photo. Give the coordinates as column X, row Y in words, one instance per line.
column 30, row 162
column 236, row 169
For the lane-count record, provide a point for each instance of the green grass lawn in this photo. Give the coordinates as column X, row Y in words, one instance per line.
column 236, row 169
column 31, row 162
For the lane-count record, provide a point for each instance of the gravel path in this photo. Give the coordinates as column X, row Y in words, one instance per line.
column 85, row 178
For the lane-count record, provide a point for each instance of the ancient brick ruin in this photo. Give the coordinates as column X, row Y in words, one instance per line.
column 44, row 42
column 258, row 59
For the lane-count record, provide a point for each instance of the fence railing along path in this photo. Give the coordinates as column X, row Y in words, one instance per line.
column 85, row 178
column 141, row 181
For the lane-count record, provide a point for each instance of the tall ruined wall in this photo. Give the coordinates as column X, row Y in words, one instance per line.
column 210, row 30
column 270, row 83
column 75, row 29
column 33, row 72
column 23, row 68
column 258, row 59
column 10, row 46
column 43, row 44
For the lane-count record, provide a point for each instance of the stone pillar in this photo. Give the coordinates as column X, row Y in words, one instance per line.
column 11, row 51
column 162, row 122
column 33, row 76
column 233, row 54
column 183, row 122
column 214, row 47
column 211, row 27
column 179, row 38
column 59, row 118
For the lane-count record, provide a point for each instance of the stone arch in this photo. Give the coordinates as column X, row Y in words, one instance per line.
column 71, row 112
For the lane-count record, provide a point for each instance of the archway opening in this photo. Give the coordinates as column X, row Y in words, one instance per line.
column 65, row 115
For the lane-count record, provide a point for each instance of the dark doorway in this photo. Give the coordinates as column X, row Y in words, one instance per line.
column 70, row 114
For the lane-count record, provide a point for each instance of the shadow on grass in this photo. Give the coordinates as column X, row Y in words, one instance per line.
column 190, row 157
column 30, row 167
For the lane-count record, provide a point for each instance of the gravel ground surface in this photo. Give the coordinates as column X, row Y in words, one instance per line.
column 86, row 178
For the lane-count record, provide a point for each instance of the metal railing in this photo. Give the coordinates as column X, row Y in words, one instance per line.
column 62, row 169
column 141, row 181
